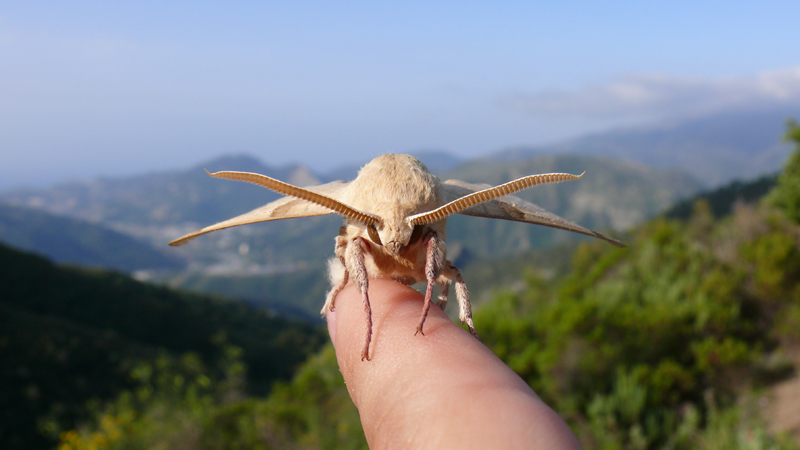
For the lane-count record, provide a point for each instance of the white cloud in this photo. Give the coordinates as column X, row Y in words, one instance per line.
column 658, row 95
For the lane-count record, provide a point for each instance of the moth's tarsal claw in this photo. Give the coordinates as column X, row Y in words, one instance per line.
column 365, row 354
column 419, row 331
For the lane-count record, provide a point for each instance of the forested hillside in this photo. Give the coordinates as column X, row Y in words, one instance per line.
column 68, row 335
column 671, row 343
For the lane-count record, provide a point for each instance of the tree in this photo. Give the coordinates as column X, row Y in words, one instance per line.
column 786, row 194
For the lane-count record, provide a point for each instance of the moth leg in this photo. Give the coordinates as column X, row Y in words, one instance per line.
column 338, row 281
column 339, row 276
column 444, row 292
column 434, row 262
column 354, row 256
column 462, row 294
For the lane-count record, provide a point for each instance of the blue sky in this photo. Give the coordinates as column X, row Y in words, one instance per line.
column 105, row 89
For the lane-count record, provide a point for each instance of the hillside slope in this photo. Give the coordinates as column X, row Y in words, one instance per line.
column 70, row 334
column 74, row 241
column 612, row 195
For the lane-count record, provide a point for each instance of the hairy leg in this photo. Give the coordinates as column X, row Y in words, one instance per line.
column 354, row 256
column 338, row 286
column 434, row 262
column 338, row 282
column 462, row 294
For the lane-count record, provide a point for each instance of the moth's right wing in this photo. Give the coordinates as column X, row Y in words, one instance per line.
column 511, row 207
column 283, row 208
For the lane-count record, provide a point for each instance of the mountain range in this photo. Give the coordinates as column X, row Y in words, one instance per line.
column 642, row 172
column 268, row 264
column 75, row 241
column 157, row 208
column 715, row 149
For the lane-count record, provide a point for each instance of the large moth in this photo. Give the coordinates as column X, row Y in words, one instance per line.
column 395, row 213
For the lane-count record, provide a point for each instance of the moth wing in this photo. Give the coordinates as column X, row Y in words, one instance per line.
column 511, row 207
column 283, row 208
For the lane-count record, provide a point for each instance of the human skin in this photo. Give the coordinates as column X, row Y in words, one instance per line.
column 441, row 390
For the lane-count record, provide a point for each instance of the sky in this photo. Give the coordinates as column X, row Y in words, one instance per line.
column 91, row 89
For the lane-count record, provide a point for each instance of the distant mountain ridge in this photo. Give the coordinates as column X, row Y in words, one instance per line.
column 74, row 241
column 612, row 195
column 154, row 198
column 716, row 149
column 160, row 207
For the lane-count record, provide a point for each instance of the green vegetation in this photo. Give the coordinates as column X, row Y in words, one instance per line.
column 175, row 404
column 723, row 200
column 634, row 340
column 68, row 335
column 787, row 195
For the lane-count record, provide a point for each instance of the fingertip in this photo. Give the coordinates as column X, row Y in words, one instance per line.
column 396, row 351
column 347, row 325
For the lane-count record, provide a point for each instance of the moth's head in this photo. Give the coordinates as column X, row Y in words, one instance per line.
column 395, row 235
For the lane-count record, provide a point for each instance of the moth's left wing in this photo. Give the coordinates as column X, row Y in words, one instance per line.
column 283, row 208
column 511, row 207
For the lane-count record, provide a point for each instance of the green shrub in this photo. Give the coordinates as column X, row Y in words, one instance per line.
column 786, row 195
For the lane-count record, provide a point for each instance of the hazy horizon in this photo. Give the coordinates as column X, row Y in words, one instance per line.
column 100, row 89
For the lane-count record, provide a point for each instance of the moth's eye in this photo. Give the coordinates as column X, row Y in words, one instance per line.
column 373, row 234
column 416, row 234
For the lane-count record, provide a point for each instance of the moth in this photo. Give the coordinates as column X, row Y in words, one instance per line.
column 395, row 213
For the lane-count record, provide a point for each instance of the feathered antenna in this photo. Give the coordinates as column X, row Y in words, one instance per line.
column 485, row 195
column 288, row 189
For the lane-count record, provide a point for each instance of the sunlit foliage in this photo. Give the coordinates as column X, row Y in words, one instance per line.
column 631, row 345
column 787, row 194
